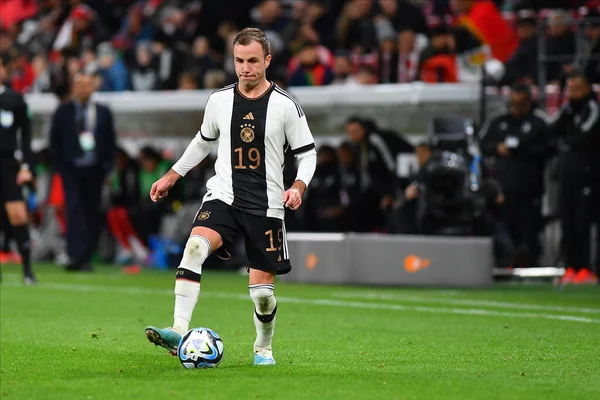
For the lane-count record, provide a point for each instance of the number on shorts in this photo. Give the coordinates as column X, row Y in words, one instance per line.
column 272, row 247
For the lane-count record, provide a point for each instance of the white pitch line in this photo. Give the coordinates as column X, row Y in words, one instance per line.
column 465, row 302
column 309, row 301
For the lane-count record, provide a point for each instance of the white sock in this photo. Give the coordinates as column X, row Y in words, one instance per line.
column 187, row 281
column 265, row 308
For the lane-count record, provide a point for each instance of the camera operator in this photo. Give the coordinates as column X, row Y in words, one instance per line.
column 577, row 128
column 515, row 144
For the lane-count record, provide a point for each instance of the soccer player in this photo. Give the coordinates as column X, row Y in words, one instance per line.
column 14, row 120
column 253, row 122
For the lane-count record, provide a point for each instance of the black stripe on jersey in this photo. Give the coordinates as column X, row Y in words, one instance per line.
column 225, row 88
column 289, row 96
column 303, row 149
column 207, row 139
column 248, row 169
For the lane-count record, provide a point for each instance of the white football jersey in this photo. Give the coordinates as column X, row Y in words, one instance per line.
column 252, row 136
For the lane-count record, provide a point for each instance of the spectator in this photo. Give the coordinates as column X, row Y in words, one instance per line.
column 153, row 166
column 515, row 144
column 577, row 127
column 323, row 206
column 592, row 46
column 23, row 74
column 377, row 171
column 215, row 79
column 438, row 61
column 410, row 47
column 42, row 83
column 144, row 75
column 134, row 29
column 81, row 30
column 355, row 28
column 189, row 81
column 112, row 70
column 310, row 72
column 82, row 144
column 123, row 211
column 404, row 16
column 201, row 59
column 350, row 174
column 522, row 65
column 170, row 60
column 343, row 71
column 561, row 43
column 366, row 76
column 404, row 219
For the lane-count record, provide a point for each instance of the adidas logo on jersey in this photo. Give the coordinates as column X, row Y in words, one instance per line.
column 249, row 116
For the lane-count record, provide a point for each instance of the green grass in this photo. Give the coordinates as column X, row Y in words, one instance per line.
column 82, row 337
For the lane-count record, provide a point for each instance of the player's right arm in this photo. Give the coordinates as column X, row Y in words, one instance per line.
column 196, row 151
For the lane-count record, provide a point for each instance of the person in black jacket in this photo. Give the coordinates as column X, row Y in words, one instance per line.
column 323, row 206
column 124, row 205
column 577, row 128
column 82, row 145
column 515, row 145
column 15, row 120
column 377, row 173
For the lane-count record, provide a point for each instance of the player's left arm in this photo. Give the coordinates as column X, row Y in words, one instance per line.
column 26, row 172
column 302, row 145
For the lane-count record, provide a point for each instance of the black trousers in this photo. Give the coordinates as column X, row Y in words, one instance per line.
column 575, row 213
column 522, row 218
column 83, row 192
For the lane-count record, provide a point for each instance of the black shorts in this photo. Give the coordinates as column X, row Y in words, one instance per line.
column 9, row 190
column 265, row 237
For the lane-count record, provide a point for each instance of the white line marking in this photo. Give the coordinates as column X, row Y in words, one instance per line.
column 309, row 301
column 465, row 302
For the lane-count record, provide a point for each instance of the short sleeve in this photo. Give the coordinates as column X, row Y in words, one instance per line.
column 297, row 131
column 210, row 130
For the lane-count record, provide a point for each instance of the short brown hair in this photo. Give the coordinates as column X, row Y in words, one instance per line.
column 249, row 35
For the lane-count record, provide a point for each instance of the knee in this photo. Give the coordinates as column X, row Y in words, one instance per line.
column 263, row 298
column 197, row 249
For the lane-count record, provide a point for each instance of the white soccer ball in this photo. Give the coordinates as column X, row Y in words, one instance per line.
column 200, row 348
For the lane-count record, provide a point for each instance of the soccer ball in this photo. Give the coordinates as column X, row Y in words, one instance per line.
column 200, row 348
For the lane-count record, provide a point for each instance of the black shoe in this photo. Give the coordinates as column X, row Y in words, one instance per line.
column 87, row 267
column 29, row 279
column 73, row 267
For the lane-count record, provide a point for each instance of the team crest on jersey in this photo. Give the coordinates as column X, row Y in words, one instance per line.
column 6, row 118
column 247, row 133
column 203, row 215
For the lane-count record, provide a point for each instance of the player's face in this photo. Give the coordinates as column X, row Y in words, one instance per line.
column 250, row 64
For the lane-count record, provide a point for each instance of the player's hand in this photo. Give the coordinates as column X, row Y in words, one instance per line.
column 24, row 176
column 292, row 198
column 160, row 189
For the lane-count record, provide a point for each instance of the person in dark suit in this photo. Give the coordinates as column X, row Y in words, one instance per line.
column 83, row 148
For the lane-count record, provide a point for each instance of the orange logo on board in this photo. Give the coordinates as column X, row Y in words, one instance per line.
column 414, row 263
column 311, row 260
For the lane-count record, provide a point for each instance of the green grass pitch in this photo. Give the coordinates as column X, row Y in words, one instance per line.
column 82, row 337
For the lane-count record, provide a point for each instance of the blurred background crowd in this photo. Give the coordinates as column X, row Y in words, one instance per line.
column 151, row 45
column 167, row 45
